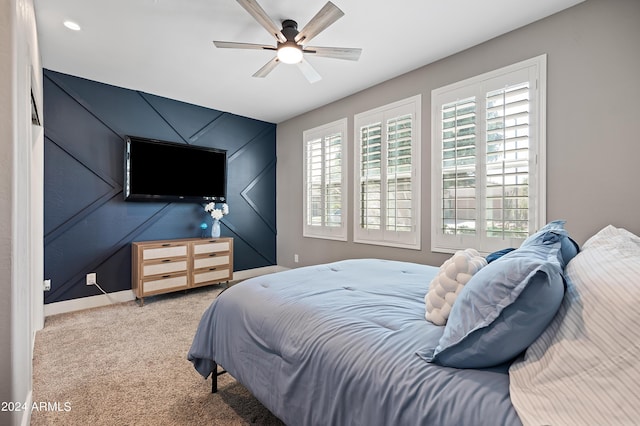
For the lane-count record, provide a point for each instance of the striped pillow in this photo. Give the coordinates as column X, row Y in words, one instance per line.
column 585, row 368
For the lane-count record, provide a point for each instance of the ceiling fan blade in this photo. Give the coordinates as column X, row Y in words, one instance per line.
column 263, row 19
column 348, row 53
column 329, row 14
column 267, row 68
column 234, row 45
column 309, row 72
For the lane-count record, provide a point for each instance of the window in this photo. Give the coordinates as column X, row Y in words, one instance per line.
column 488, row 155
column 325, row 174
column 387, row 170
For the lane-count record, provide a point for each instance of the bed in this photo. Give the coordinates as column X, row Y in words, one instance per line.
column 347, row 343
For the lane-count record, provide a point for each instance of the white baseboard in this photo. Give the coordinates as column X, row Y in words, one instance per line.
column 256, row 272
column 88, row 302
column 128, row 295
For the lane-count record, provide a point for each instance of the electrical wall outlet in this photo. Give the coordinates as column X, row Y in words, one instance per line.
column 46, row 285
column 295, row 258
column 91, row 278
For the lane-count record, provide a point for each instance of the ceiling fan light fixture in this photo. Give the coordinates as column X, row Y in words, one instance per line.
column 289, row 53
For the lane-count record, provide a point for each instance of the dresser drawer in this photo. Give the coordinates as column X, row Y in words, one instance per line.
column 165, row 283
column 166, row 266
column 150, row 253
column 211, row 247
column 208, row 262
column 211, row 275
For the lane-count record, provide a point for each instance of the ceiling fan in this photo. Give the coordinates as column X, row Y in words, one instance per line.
column 291, row 44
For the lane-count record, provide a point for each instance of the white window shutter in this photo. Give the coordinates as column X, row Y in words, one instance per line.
column 388, row 175
column 488, row 151
column 325, row 186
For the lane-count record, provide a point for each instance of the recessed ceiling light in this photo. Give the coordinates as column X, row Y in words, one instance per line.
column 72, row 25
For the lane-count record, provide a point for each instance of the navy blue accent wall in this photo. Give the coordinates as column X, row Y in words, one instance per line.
column 88, row 226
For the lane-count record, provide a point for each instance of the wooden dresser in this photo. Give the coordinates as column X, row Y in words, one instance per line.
column 164, row 266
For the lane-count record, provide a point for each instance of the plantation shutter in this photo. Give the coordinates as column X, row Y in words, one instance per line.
column 315, row 183
column 333, row 180
column 325, row 181
column 507, row 162
column 388, row 175
column 488, row 152
column 370, row 175
column 459, row 196
column 399, row 173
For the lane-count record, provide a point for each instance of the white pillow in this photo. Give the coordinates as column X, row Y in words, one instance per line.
column 454, row 273
column 584, row 368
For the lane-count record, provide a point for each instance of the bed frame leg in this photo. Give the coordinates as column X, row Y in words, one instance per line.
column 214, row 377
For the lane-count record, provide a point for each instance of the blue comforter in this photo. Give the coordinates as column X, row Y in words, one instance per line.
column 336, row 344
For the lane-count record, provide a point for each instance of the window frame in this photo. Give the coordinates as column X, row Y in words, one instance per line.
column 479, row 86
column 324, row 131
column 410, row 239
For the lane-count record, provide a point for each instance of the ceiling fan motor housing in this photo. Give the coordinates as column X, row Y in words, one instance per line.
column 289, row 29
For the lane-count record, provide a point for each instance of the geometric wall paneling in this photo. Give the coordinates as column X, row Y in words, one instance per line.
column 232, row 131
column 113, row 267
column 122, row 110
column 66, row 175
column 246, row 169
column 88, row 225
column 91, row 242
column 257, row 196
column 252, row 256
column 182, row 220
column 187, row 120
column 255, row 154
column 89, row 137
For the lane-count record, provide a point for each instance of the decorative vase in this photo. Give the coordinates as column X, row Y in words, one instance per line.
column 215, row 228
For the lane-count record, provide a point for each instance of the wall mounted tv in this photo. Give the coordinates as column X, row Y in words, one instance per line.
column 165, row 171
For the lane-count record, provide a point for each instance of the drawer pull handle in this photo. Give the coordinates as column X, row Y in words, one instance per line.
column 213, row 241
column 166, row 260
column 166, row 245
column 166, row 276
column 213, row 254
column 212, row 269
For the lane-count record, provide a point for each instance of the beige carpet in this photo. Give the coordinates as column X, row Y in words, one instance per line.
column 127, row 365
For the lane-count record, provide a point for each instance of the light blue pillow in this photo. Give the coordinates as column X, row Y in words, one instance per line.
column 503, row 308
column 568, row 248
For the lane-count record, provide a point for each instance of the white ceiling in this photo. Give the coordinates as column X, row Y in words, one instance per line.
column 164, row 47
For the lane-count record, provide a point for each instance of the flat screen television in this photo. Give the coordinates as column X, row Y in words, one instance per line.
column 157, row 170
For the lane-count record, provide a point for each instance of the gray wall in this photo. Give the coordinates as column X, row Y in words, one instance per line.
column 593, row 146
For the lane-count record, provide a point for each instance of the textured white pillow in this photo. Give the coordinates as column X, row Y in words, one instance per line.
column 454, row 273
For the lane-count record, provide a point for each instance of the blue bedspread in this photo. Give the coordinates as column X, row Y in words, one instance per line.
column 336, row 344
